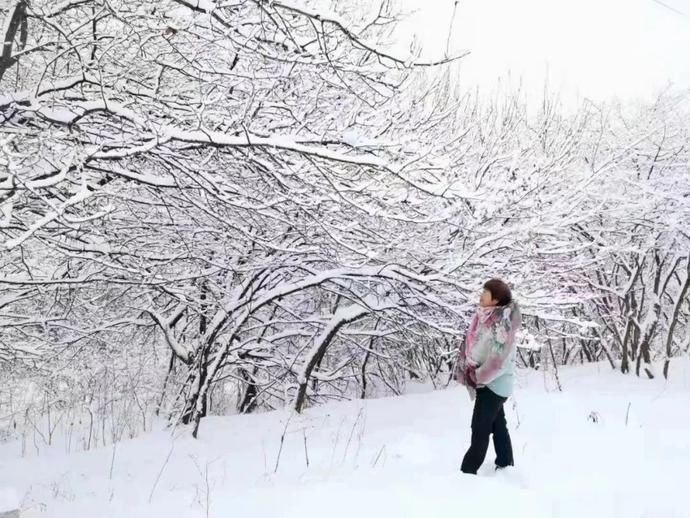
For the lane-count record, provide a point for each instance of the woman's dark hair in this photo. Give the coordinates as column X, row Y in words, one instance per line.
column 500, row 291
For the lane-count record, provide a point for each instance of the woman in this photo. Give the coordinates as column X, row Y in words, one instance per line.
column 486, row 364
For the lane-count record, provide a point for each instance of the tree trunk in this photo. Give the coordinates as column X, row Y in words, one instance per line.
column 340, row 318
column 682, row 297
column 625, row 360
column 197, row 405
column 363, row 393
column 17, row 24
column 248, row 403
column 168, row 375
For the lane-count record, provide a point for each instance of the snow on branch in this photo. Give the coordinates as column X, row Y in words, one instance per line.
column 328, row 17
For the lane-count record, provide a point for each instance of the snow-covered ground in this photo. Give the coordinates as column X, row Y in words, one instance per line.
column 607, row 446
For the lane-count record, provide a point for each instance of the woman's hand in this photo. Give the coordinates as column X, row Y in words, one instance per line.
column 471, row 376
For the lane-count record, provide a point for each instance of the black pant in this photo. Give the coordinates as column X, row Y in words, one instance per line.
column 488, row 418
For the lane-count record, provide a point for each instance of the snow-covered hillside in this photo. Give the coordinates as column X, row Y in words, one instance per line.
column 608, row 445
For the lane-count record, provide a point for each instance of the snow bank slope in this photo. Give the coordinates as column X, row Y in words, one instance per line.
column 606, row 446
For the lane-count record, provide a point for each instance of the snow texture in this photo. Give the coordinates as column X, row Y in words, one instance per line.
column 607, row 446
column 9, row 500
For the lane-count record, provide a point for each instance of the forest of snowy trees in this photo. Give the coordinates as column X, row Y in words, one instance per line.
column 210, row 207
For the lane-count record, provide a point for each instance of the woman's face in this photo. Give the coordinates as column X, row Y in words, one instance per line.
column 486, row 299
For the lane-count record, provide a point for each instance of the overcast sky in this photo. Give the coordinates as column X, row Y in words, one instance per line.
column 589, row 48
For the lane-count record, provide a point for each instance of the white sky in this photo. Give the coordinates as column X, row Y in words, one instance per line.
column 597, row 49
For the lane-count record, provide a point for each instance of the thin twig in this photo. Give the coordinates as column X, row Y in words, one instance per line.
column 352, row 432
column 160, row 473
column 306, row 449
column 282, row 441
column 378, row 456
